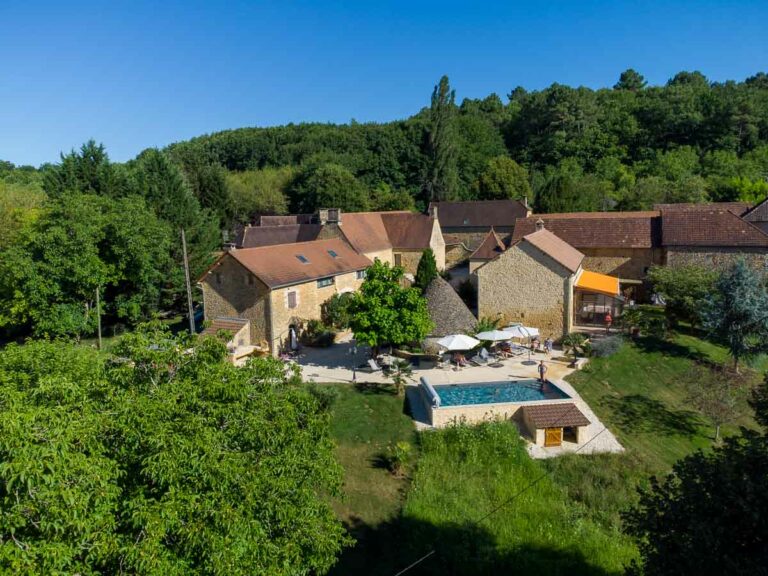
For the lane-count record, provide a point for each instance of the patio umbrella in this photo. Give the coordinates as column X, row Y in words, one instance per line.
column 493, row 335
column 520, row 331
column 458, row 342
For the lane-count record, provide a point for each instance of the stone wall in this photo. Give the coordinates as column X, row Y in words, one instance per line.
column 716, row 257
column 626, row 263
column 525, row 285
column 437, row 243
column 408, row 259
column 474, row 413
column 231, row 290
column 455, row 254
column 386, row 256
column 309, row 299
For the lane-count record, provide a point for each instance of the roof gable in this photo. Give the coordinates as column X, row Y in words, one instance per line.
column 365, row 231
column 407, row 230
column 758, row 213
column 491, row 246
column 560, row 251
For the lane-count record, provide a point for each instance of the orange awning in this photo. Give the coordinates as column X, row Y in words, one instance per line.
column 600, row 283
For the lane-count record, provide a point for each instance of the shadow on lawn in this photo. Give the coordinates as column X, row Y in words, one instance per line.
column 669, row 348
column 637, row 413
column 375, row 388
column 459, row 550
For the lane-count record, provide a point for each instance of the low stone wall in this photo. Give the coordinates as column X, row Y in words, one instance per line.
column 717, row 258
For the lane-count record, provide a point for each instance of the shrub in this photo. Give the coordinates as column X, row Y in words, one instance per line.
column 326, row 396
column 397, row 457
column 486, row 324
column 607, row 346
column 335, row 310
column 318, row 334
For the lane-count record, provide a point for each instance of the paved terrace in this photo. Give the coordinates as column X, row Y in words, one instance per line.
column 334, row 364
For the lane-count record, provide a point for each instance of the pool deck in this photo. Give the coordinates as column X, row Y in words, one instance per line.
column 334, row 365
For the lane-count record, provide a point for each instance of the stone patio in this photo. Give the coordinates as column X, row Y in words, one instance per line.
column 334, row 365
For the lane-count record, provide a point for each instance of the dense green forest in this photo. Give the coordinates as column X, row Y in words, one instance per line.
column 86, row 222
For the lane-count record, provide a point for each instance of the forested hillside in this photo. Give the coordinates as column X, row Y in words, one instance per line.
column 86, row 222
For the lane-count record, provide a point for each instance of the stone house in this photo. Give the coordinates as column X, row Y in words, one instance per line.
column 531, row 282
column 539, row 281
column 277, row 288
column 397, row 237
column 466, row 224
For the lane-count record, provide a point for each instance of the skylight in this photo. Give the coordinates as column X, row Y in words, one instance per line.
column 303, row 259
column 333, row 254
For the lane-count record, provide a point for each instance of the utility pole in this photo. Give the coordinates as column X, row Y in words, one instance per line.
column 189, row 286
column 98, row 314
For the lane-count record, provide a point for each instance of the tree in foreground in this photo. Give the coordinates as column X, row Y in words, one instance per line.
column 708, row 515
column 737, row 312
column 161, row 459
column 384, row 312
column 426, row 270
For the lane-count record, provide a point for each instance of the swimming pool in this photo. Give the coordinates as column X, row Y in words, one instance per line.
column 529, row 390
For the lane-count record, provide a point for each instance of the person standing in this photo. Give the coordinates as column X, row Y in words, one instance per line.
column 608, row 322
column 542, row 372
column 549, row 344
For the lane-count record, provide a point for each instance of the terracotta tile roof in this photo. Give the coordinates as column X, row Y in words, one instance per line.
column 555, row 248
column 713, row 227
column 408, row 231
column 555, row 415
column 498, row 213
column 255, row 236
column 232, row 325
column 738, row 208
column 365, row 231
column 281, row 265
column 758, row 213
column 491, row 246
column 597, row 229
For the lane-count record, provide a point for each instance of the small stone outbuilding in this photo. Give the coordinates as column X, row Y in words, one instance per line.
column 448, row 312
column 550, row 425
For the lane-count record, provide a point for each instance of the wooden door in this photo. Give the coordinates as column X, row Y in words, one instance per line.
column 553, row 436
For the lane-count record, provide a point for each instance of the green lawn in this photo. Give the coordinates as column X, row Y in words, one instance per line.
column 463, row 497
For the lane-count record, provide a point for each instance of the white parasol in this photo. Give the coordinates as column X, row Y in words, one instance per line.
column 458, row 342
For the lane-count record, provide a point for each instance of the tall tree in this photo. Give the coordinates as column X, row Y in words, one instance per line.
column 737, row 312
column 86, row 171
column 426, row 270
column 630, row 80
column 440, row 179
column 329, row 186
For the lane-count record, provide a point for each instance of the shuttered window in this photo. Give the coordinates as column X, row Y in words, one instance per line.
column 291, row 299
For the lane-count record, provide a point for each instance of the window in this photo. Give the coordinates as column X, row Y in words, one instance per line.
column 323, row 282
column 361, row 274
column 333, row 254
column 291, row 299
column 398, row 259
column 303, row 259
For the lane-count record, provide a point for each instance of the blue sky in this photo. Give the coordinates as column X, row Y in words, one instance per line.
column 139, row 74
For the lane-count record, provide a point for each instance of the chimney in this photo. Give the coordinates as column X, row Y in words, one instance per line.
column 433, row 211
column 539, row 224
column 329, row 216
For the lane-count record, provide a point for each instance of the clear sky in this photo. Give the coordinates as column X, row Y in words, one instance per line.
column 139, row 74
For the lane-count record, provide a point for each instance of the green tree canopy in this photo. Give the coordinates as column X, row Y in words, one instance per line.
column 161, row 459
column 440, row 178
column 329, row 186
column 503, row 178
column 384, row 312
column 685, row 290
column 630, row 80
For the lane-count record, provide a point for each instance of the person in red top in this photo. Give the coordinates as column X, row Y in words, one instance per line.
column 608, row 322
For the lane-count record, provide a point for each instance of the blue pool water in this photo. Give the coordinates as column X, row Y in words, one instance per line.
column 492, row 392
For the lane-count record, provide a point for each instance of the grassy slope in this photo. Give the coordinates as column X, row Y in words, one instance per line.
column 568, row 523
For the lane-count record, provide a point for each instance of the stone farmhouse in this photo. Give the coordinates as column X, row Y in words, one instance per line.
column 466, row 224
column 397, row 237
column 540, row 281
column 276, row 288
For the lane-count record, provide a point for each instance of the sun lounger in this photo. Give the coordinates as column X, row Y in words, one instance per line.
column 482, row 358
column 373, row 366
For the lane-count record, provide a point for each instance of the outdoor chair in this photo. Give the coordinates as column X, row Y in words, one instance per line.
column 482, row 358
column 373, row 366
